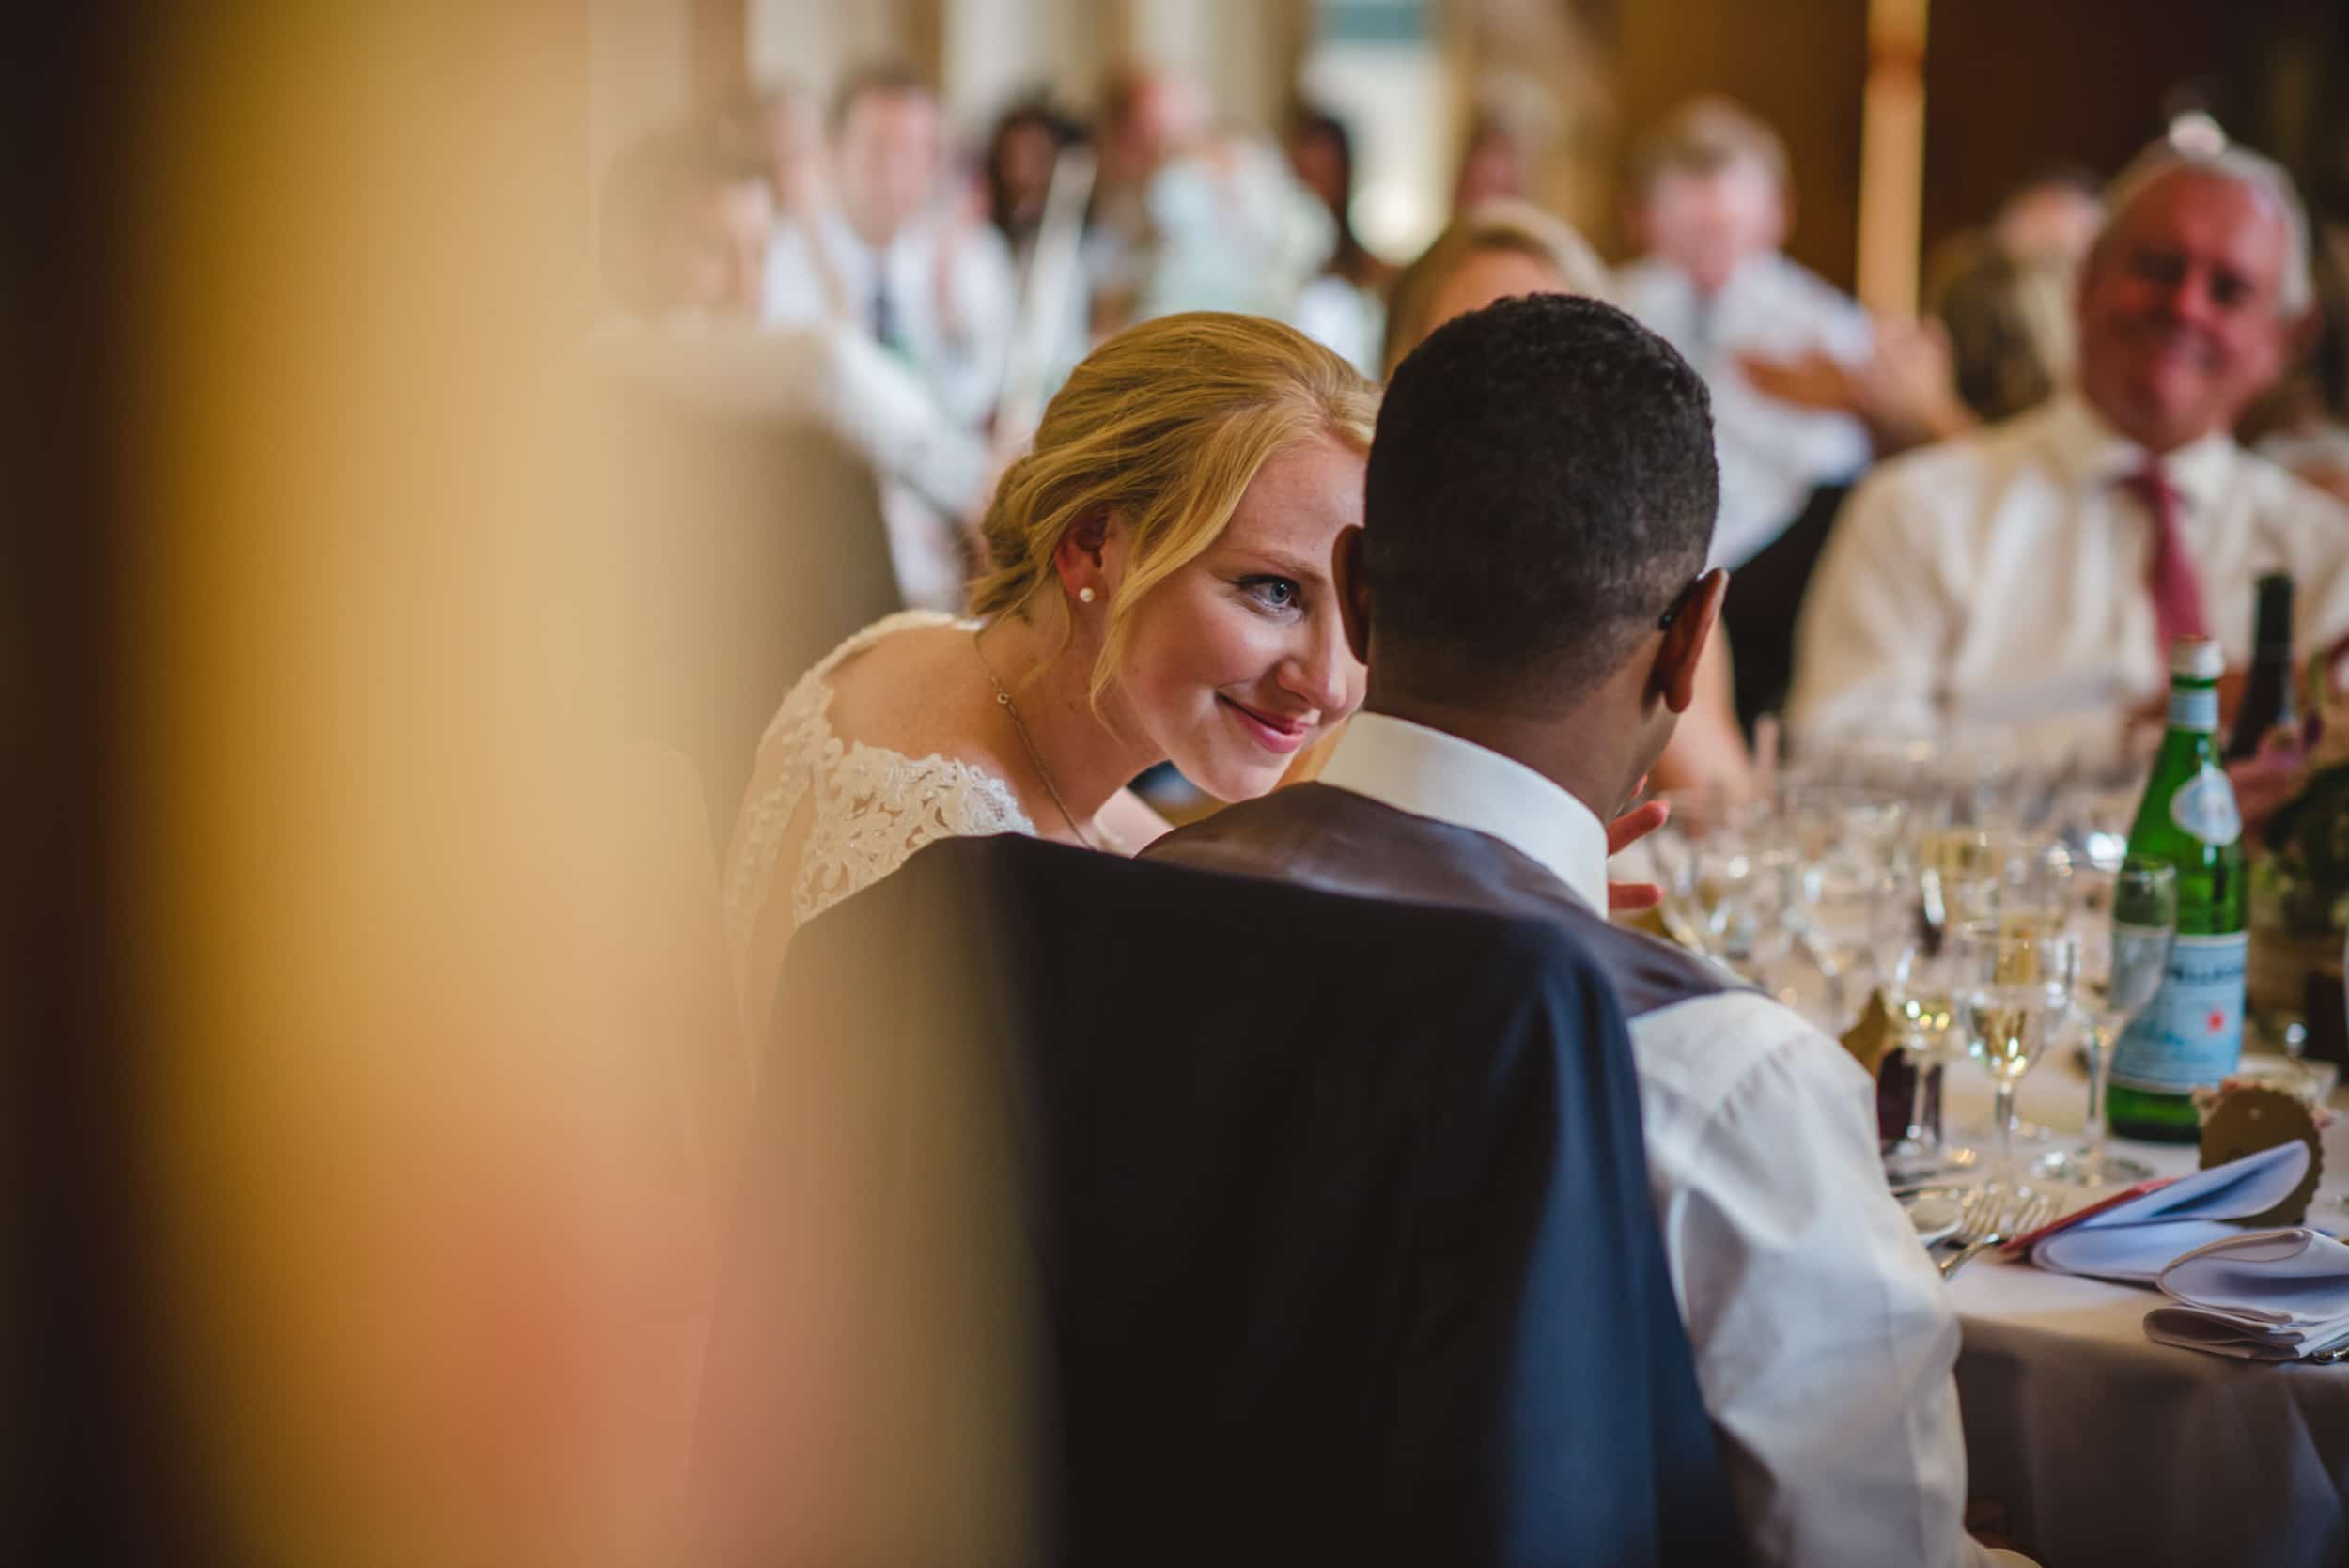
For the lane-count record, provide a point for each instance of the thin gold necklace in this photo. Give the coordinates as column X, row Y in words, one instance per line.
column 1003, row 700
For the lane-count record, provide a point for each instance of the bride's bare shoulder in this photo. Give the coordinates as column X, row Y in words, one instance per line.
column 916, row 691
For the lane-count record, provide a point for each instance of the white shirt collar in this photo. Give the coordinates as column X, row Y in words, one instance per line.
column 1430, row 773
column 2096, row 454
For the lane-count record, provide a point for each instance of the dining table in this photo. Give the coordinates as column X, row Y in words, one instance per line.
column 2087, row 1443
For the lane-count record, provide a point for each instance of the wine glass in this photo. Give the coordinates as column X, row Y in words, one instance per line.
column 1724, row 876
column 2013, row 979
column 1914, row 970
column 1847, row 872
column 2124, row 920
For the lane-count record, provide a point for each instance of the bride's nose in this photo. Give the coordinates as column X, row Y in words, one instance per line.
column 1319, row 672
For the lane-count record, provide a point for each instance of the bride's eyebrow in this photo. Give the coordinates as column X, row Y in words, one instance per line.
column 1285, row 565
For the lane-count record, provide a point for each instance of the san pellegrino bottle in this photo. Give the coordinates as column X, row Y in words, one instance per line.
column 2192, row 1032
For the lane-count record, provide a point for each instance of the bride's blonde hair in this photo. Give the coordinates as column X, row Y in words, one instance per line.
column 1165, row 426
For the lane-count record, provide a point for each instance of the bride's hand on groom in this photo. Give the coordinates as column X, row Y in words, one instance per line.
column 1629, row 899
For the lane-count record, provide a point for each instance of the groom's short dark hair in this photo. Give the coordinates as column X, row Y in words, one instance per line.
column 1542, row 488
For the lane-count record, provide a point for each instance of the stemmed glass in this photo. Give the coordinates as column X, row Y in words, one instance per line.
column 2014, row 973
column 2124, row 920
column 1725, row 876
column 1849, row 872
column 1915, row 967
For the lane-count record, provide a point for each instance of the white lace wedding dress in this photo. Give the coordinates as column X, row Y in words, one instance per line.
column 866, row 808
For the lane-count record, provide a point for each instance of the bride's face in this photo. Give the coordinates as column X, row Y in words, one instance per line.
column 1236, row 661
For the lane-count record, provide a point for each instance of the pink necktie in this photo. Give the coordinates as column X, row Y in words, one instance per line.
column 2177, row 594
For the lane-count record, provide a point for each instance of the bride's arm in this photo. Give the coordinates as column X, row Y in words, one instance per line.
column 1130, row 819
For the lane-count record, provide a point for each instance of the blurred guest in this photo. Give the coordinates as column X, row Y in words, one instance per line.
column 1524, row 674
column 2038, row 570
column 2010, row 331
column 1492, row 165
column 1506, row 248
column 684, row 216
column 927, row 284
column 1499, row 249
column 2053, row 215
column 685, row 220
column 2303, row 422
column 1234, row 230
column 788, row 129
column 1344, row 306
column 1146, row 115
column 1709, row 210
column 1030, row 147
column 1021, row 153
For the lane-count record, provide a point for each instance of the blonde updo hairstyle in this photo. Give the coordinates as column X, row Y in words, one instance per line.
column 1164, row 426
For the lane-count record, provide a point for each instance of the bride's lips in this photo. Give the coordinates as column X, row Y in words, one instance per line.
column 1274, row 733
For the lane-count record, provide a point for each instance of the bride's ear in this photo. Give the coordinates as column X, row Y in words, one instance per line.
column 1081, row 558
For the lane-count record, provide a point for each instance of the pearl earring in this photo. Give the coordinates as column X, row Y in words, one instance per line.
column 1084, row 596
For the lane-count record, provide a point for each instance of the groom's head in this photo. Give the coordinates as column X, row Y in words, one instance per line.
column 1540, row 503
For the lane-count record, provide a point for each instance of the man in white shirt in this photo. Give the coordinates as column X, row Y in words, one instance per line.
column 685, row 225
column 1530, row 592
column 2034, row 573
column 924, row 280
column 1709, row 208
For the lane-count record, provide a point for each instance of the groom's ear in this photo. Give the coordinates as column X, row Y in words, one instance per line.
column 1346, row 576
column 1692, row 624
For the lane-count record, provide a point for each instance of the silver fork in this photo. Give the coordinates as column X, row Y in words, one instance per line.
column 1991, row 1220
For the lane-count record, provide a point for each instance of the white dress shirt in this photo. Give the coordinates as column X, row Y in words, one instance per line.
column 955, row 343
column 1772, row 454
column 2000, row 577
column 1824, row 1338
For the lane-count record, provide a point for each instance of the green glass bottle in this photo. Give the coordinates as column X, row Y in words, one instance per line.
column 2192, row 1032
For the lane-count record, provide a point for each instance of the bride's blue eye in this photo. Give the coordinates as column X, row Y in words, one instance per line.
column 1273, row 592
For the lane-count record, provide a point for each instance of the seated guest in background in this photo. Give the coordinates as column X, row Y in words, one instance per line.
column 1344, row 306
column 1709, row 208
column 2053, row 215
column 2036, row 572
column 928, row 285
column 1161, row 592
column 1146, row 117
column 788, row 129
column 1500, row 248
column 1523, row 677
column 1493, row 165
column 685, row 215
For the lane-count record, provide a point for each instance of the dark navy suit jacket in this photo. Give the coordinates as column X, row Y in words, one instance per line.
column 1338, row 1207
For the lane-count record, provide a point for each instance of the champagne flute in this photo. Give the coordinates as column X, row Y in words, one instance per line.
column 2126, row 920
column 2014, row 977
column 1914, row 971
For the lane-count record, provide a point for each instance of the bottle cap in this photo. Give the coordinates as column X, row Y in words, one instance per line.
column 2196, row 657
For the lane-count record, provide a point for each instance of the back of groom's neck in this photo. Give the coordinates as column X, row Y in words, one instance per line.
column 1560, row 747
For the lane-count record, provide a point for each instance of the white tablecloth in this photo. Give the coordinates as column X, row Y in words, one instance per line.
column 2105, row 1448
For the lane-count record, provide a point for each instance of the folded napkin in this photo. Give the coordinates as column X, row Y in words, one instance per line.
column 2136, row 1234
column 2263, row 1296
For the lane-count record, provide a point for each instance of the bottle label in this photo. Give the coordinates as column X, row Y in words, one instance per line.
column 2192, row 1033
column 2194, row 707
column 2204, row 807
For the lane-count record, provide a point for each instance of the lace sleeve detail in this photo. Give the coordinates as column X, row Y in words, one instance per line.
column 869, row 808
